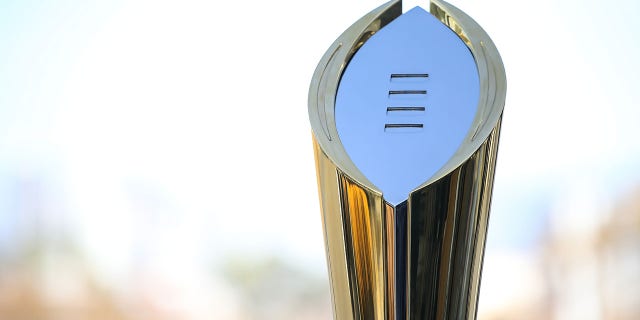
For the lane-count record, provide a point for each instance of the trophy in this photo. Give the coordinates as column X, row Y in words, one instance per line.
column 406, row 110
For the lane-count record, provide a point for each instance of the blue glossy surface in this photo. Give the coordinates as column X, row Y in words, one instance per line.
column 397, row 134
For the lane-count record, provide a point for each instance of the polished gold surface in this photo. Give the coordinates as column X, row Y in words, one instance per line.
column 334, row 237
column 389, row 258
column 447, row 232
column 447, row 216
column 364, row 232
column 356, row 230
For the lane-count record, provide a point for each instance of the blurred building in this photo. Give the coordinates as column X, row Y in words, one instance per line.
column 587, row 265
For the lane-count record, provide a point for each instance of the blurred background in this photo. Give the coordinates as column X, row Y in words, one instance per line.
column 156, row 159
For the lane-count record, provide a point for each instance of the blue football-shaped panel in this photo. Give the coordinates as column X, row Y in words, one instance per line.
column 406, row 101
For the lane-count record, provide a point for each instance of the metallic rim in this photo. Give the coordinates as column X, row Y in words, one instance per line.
column 326, row 78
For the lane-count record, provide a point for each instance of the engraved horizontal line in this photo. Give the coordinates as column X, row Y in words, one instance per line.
column 390, row 109
column 403, row 125
column 409, row 75
column 399, row 92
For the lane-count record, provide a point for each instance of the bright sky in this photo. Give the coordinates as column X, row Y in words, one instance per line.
column 195, row 112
